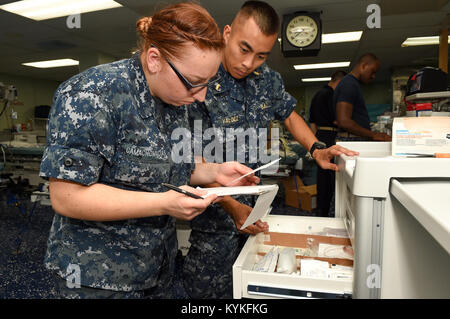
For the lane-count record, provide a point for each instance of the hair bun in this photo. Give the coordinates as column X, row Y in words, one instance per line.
column 143, row 24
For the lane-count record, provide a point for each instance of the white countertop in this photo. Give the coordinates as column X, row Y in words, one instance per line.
column 429, row 202
column 369, row 174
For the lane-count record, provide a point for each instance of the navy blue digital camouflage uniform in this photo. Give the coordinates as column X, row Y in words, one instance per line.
column 105, row 127
column 230, row 103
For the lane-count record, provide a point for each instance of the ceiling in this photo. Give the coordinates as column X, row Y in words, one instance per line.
column 112, row 32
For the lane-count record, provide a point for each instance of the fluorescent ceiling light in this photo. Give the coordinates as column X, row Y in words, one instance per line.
column 49, row 9
column 316, row 79
column 341, row 37
column 321, row 65
column 52, row 63
column 434, row 40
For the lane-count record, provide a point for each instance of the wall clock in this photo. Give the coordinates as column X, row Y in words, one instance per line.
column 301, row 34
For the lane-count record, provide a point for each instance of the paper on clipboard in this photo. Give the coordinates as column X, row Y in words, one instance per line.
column 254, row 171
column 266, row 194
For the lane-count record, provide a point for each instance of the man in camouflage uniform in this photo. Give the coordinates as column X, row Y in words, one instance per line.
column 99, row 131
column 249, row 95
column 215, row 241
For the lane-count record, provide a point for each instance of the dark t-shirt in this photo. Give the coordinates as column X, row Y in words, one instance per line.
column 321, row 111
column 349, row 90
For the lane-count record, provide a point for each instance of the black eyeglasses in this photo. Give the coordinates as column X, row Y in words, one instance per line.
column 187, row 84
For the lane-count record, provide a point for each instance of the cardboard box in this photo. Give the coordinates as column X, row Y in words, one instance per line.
column 305, row 198
column 289, row 182
column 421, row 135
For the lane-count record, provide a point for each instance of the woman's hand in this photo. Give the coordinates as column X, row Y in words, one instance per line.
column 323, row 157
column 229, row 171
column 224, row 174
column 184, row 207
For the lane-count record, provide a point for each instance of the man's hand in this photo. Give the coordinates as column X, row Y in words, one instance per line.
column 323, row 157
column 381, row 137
column 239, row 212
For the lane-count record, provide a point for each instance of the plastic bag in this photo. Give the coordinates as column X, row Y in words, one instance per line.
column 287, row 263
column 335, row 251
column 268, row 262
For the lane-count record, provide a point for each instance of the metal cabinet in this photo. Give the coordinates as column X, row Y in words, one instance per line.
column 400, row 235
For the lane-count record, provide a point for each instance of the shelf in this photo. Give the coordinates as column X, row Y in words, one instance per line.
column 428, row 96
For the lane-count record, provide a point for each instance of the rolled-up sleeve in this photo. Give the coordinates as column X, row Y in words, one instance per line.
column 80, row 137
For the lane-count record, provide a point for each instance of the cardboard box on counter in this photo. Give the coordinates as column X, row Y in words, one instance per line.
column 305, row 198
column 420, row 136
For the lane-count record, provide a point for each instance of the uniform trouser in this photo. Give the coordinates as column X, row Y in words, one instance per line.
column 325, row 177
column 163, row 290
column 215, row 245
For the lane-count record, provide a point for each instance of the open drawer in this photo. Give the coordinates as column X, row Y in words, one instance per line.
column 296, row 232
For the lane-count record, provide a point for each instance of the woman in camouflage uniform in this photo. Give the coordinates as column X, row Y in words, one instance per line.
column 109, row 148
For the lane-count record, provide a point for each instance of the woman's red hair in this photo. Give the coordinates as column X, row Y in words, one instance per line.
column 171, row 28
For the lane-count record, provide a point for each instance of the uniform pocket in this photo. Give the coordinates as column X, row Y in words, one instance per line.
column 138, row 172
column 260, row 113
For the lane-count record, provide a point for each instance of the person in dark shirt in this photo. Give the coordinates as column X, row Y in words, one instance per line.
column 349, row 105
column 321, row 113
column 321, row 119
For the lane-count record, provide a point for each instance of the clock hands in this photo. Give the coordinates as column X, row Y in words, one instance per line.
column 297, row 30
column 301, row 31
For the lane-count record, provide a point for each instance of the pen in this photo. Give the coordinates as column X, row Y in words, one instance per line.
column 437, row 155
column 180, row 190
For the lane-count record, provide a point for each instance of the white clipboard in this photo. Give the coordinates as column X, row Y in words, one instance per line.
column 262, row 207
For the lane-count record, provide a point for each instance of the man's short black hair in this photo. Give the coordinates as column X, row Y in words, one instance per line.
column 368, row 58
column 338, row 75
column 265, row 16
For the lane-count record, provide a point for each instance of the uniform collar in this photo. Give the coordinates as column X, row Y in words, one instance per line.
column 223, row 84
column 258, row 73
column 146, row 102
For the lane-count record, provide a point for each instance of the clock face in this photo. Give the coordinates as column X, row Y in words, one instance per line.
column 301, row 31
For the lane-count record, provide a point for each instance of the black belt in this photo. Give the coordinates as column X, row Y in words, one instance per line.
column 327, row 128
column 347, row 134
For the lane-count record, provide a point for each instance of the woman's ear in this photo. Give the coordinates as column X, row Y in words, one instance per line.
column 153, row 59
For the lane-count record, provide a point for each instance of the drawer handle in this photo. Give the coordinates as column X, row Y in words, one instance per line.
column 293, row 293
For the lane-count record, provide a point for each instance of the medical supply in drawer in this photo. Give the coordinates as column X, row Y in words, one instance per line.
column 300, row 257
